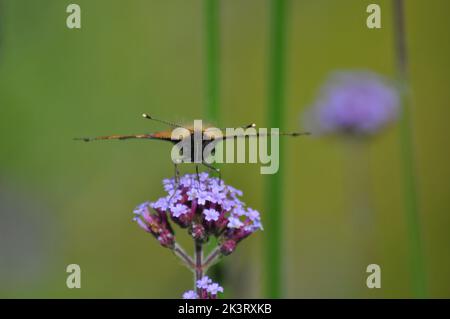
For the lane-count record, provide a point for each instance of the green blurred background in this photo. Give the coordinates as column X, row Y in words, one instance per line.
column 64, row 202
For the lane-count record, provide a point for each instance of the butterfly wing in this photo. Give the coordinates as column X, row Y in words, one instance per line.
column 162, row 136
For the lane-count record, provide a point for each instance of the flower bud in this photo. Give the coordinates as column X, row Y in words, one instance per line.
column 198, row 232
column 227, row 247
column 166, row 239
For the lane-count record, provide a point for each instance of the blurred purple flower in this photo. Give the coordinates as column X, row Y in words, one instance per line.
column 354, row 103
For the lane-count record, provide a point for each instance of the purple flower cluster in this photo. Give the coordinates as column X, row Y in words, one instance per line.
column 354, row 103
column 206, row 289
column 205, row 206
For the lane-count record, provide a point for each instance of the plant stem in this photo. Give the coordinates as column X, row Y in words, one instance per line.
column 275, row 182
column 212, row 38
column 180, row 253
column 212, row 68
column 211, row 259
column 361, row 218
column 406, row 143
column 198, row 255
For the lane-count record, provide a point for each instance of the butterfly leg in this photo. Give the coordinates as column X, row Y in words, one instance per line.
column 196, row 172
column 177, row 173
column 177, row 182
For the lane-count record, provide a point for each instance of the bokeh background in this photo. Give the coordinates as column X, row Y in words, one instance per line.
column 64, row 202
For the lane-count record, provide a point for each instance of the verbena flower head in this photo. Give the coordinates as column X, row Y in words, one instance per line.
column 205, row 206
column 206, row 289
column 354, row 103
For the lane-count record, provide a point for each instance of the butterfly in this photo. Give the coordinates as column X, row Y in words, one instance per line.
column 207, row 134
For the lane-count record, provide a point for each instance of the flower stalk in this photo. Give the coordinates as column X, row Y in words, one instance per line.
column 198, row 262
column 212, row 258
column 277, row 61
column 185, row 258
column 407, row 147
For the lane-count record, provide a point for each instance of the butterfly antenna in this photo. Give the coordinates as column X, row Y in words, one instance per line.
column 84, row 139
column 145, row 115
column 249, row 126
column 294, row 134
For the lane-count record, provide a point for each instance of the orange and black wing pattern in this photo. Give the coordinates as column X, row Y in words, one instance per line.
column 163, row 136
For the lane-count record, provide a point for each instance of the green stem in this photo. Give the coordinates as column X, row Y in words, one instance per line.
column 407, row 152
column 212, row 64
column 185, row 258
column 273, row 246
column 212, row 39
